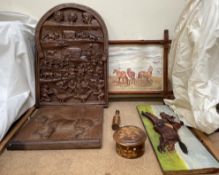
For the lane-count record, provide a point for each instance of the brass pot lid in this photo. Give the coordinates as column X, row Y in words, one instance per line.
column 129, row 136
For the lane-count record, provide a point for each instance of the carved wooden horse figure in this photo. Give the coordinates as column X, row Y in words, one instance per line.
column 168, row 134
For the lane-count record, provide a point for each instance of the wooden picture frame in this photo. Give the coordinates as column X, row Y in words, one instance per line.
column 144, row 76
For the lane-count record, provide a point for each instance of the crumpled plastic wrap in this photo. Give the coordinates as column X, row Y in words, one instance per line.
column 194, row 65
column 17, row 77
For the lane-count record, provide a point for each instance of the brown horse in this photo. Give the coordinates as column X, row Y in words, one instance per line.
column 146, row 74
column 121, row 76
column 131, row 76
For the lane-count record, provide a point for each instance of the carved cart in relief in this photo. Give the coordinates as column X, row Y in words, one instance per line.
column 71, row 81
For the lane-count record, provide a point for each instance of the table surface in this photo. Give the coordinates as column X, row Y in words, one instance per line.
column 104, row 161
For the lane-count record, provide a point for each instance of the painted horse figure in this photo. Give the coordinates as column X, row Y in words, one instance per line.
column 168, row 134
column 121, row 76
column 146, row 74
column 131, row 76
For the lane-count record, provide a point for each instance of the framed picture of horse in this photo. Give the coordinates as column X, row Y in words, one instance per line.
column 138, row 68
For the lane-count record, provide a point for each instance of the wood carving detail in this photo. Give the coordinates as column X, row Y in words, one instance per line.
column 71, row 88
column 167, row 128
column 49, row 128
column 49, row 125
column 72, row 57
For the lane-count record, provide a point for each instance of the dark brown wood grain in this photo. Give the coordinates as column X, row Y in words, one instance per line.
column 71, row 81
column 165, row 63
column 72, row 54
column 61, row 128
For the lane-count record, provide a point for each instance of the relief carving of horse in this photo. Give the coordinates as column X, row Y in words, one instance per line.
column 49, row 128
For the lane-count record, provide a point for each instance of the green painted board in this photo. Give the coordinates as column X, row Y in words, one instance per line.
column 198, row 157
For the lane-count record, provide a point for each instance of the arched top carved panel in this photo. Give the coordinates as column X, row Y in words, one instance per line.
column 72, row 53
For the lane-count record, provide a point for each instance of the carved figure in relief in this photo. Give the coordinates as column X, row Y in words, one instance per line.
column 72, row 85
column 100, row 91
column 45, row 93
column 99, row 70
column 131, row 76
column 51, row 53
column 93, row 61
column 49, row 127
column 51, row 36
column 61, row 84
column 72, row 17
column 45, row 63
column 44, row 131
column 88, row 36
column 61, row 97
column 57, row 75
column 100, row 94
column 93, row 37
column 66, row 74
column 86, row 53
column 87, row 18
column 47, row 75
column 58, row 16
column 85, row 85
column 83, row 97
column 82, row 35
column 81, row 70
column 171, row 120
column 72, row 74
column 55, row 63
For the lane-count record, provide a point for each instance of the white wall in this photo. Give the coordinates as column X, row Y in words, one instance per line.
column 125, row 19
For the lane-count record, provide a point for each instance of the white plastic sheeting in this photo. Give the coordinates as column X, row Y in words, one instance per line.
column 194, row 65
column 17, row 82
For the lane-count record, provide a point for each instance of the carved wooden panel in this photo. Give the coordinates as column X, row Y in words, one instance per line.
column 61, row 128
column 72, row 48
column 71, row 86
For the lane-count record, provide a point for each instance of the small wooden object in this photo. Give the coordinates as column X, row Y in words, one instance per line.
column 130, row 141
column 116, row 120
